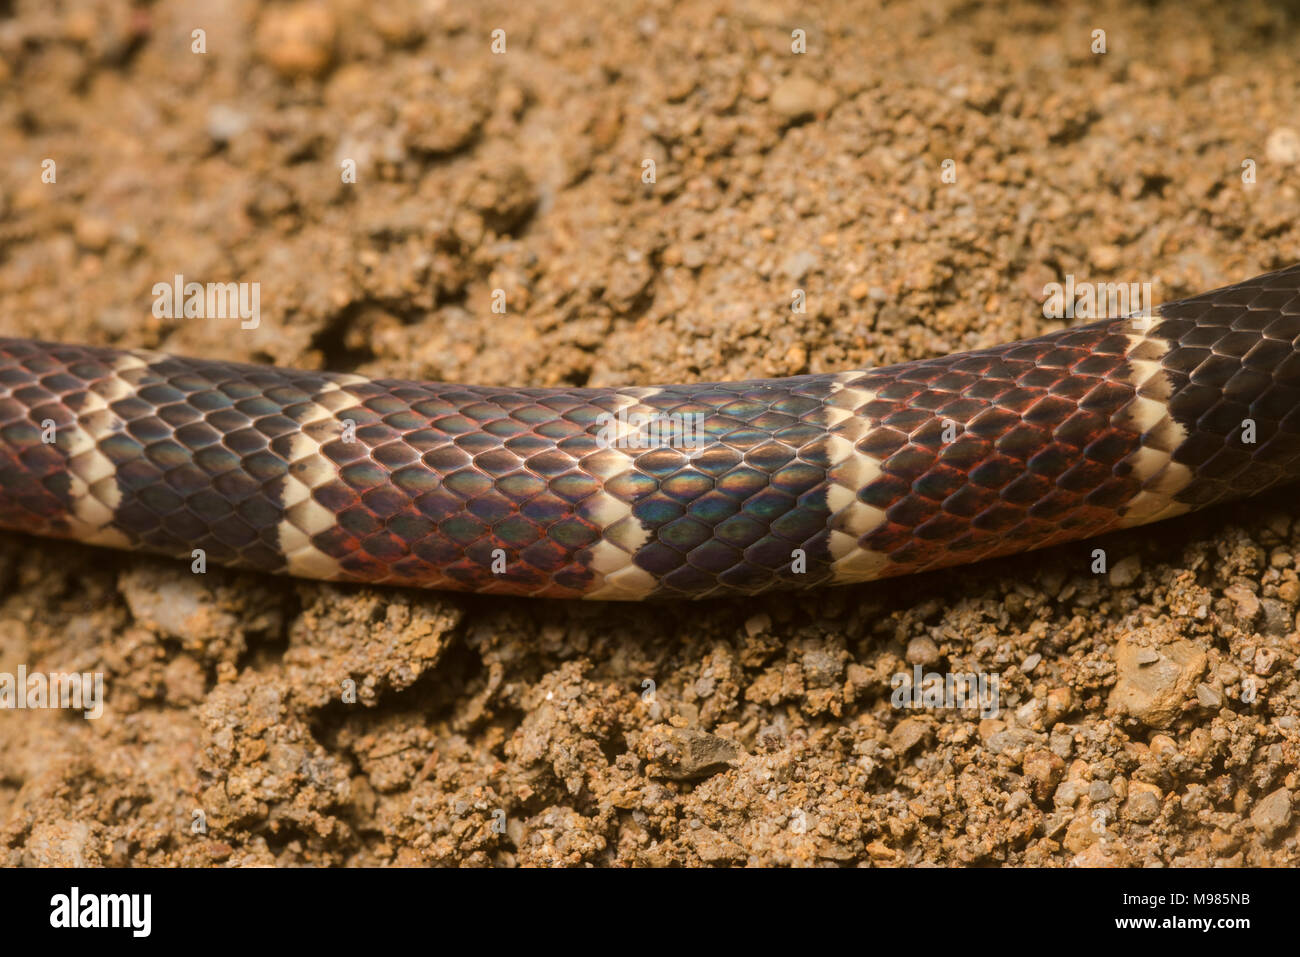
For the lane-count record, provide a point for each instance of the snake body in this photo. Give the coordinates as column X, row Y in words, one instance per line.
column 666, row 491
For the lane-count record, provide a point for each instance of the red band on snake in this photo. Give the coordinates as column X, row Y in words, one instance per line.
column 696, row 490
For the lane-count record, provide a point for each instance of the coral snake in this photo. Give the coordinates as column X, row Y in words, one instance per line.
column 720, row 488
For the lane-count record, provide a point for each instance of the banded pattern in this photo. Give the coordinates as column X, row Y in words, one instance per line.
column 608, row 493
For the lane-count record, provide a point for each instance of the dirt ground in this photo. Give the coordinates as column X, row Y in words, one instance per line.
column 1148, row 713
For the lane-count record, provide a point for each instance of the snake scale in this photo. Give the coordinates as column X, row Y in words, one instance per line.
column 695, row 490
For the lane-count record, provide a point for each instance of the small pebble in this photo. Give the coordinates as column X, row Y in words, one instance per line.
column 1277, row 617
column 1060, row 701
column 1105, row 257
column 1161, row 743
column 1154, row 692
column 1246, row 601
column 1208, row 697
column 224, row 123
column 93, row 232
column 798, row 96
column 906, row 734
column 1143, row 804
column 1283, row 146
column 922, row 651
column 797, row 265
column 1100, row 791
column 1265, row 661
column 1125, row 571
column 298, row 39
column 1272, row 814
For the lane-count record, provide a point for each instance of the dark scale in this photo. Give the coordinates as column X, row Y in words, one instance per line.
column 1233, row 357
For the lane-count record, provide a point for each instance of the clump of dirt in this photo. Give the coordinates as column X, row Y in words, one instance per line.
column 645, row 191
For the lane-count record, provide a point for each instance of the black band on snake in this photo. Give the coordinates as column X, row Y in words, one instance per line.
column 699, row 490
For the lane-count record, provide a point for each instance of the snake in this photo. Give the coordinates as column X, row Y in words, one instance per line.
column 675, row 491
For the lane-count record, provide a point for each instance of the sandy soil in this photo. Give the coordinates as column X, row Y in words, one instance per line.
column 1148, row 713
